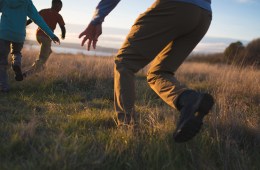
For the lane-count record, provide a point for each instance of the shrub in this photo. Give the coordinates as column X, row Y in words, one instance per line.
column 252, row 55
column 234, row 53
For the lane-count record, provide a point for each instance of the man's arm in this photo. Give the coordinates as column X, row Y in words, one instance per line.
column 62, row 27
column 94, row 29
column 102, row 10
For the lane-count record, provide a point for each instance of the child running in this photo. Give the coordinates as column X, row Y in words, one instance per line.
column 12, row 35
column 52, row 17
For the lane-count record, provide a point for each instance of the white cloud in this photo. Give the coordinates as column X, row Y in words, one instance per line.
column 207, row 47
column 245, row 1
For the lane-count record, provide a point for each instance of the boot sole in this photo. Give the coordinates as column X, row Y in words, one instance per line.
column 18, row 73
column 189, row 128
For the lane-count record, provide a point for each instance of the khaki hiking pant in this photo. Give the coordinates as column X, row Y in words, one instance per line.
column 165, row 34
column 45, row 50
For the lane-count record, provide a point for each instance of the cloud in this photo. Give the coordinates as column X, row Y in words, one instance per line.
column 245, row 1
column 207, row 47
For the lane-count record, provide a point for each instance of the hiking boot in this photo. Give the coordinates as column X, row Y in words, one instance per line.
column 193, row 106
column 38, row 65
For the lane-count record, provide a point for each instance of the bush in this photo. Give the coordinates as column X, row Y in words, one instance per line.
column 234, row 53
column 252, row 55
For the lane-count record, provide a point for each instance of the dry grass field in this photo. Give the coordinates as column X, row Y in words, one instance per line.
column 62, row 119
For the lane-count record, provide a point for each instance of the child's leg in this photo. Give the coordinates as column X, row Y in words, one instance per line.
column 4, row 51
column 44, row 54
column 45, row 51
column 17, row 60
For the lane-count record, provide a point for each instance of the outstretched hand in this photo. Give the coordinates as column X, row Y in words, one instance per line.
column 56, row 40
column 91, row 33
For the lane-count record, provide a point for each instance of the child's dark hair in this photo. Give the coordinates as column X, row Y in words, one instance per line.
column 56, row 2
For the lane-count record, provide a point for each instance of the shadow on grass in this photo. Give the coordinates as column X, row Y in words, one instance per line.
column 12, row 106
column 244, row 137
column 95, row 142
column 237, row 148
column 238, row 143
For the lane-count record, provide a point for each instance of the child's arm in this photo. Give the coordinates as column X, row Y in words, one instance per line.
column 62, row 27
column 63, row 31
column 37, row 19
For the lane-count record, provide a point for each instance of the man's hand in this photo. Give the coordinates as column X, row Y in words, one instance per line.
column 91, row 33
column 56, row 40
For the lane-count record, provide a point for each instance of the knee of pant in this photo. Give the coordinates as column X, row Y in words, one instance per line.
column 153, row 76
column 124, row 67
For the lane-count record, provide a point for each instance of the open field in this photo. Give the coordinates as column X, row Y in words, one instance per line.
column 62, row 119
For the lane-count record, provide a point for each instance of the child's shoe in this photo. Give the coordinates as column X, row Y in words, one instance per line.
column 35, row 68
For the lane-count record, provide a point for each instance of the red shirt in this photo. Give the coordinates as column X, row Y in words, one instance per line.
column 51, row 17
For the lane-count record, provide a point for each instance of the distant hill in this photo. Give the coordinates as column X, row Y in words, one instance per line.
column 75, row 46
column 112, row 39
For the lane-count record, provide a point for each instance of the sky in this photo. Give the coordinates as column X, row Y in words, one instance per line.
column 232, row 20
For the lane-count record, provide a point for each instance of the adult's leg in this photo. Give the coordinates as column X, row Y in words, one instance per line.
column 192, row 105
column 127, row 63
column 161, row 73
column 153, row 31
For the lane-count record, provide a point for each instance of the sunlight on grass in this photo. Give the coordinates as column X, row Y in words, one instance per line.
column 63, row 118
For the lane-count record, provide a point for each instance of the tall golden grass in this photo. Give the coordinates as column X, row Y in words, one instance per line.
column 233, row 126
column 236, row 90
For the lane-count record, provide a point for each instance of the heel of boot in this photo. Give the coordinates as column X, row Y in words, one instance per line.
column 206, row 104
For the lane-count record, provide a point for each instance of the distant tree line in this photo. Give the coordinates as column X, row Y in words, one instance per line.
column 236, row 54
